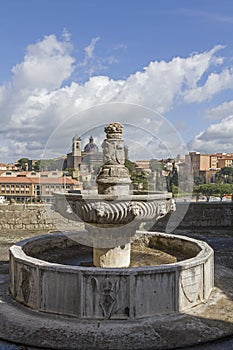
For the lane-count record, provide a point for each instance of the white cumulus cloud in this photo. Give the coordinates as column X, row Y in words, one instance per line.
column 42, row 95
column 216, row 138
column 219, row 112
column 46, row 65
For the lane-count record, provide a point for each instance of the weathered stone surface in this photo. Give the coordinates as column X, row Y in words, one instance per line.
column 195, row 215
column 33, row 217
column 204, row 323
column 111, row 293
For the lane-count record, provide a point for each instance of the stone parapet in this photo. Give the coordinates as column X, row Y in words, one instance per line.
column 196, row 215
column 33, row 217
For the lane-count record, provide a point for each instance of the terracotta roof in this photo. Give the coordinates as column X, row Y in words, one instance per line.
column 56, row 180
column 31, row 180
column 14, row 179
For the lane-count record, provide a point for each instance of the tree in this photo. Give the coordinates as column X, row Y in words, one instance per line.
column 130, row 166
column 225, row 175
column 22, row 164
column 172, row 180
column 140, row 180
column 199, row 180
column 213, row 189
column 37, row 165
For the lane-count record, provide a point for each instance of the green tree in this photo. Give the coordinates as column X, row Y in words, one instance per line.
column 199, row 180
column 140, row 181
column 130, row 166
column 22, row 164
column 37, row 165
column 225, row 175
column 213, row 189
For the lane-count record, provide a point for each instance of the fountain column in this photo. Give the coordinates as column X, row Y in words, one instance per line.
column 114, row 180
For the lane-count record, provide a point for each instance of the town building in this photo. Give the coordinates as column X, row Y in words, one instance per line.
column 34, row 186
column 205, row 166
column 226, row 161
column 4, row 166
column 142, row 165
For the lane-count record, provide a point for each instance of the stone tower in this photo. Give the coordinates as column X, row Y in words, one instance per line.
column 76, row 146
column 74, row 158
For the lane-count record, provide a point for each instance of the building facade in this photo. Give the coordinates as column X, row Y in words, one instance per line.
column 32, row 186
column 206, row 166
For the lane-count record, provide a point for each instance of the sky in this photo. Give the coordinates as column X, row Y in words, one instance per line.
column 163, row 68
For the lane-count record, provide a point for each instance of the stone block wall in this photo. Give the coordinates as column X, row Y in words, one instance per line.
column 200, row 214
column 187, row 215
column 33, row 217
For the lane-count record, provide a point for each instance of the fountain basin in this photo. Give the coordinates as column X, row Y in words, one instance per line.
column 102, row 209
column 111, row 293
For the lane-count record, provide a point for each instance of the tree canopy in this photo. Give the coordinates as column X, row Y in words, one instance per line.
column 213, row 189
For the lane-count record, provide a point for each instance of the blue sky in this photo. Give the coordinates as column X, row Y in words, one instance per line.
column 61, row 57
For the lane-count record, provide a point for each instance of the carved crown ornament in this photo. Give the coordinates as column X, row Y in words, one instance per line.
column 114, row 130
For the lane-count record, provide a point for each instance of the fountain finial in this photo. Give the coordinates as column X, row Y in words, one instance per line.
column 114, row 131
column 113, row 177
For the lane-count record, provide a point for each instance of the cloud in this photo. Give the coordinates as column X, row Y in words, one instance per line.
column 46, row 65
column 89, row 50
column 43, row 95
column 219, row 112
column 214, row 84
column 93, row 63
column 216, row 138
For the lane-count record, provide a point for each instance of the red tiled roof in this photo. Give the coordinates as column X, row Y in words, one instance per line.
column 14, row 179
column 36, row 180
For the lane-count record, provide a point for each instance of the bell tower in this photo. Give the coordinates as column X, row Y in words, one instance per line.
column 76, row 146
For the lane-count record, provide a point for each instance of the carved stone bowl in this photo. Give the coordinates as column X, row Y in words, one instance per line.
column 113, row 210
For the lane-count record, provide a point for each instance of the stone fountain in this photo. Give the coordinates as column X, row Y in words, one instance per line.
column 110, row 288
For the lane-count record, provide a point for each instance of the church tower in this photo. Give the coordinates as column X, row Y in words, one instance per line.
column 76, row 146
column 75, row 157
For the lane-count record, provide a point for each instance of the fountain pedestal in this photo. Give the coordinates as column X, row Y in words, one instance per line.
column 113, row 179
column 112, row 257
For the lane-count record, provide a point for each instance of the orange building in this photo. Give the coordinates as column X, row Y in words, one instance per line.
column 207, row 165
column 23, row 187
column 225, row 162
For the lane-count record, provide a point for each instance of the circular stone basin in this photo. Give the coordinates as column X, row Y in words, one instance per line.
column 185, row 278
